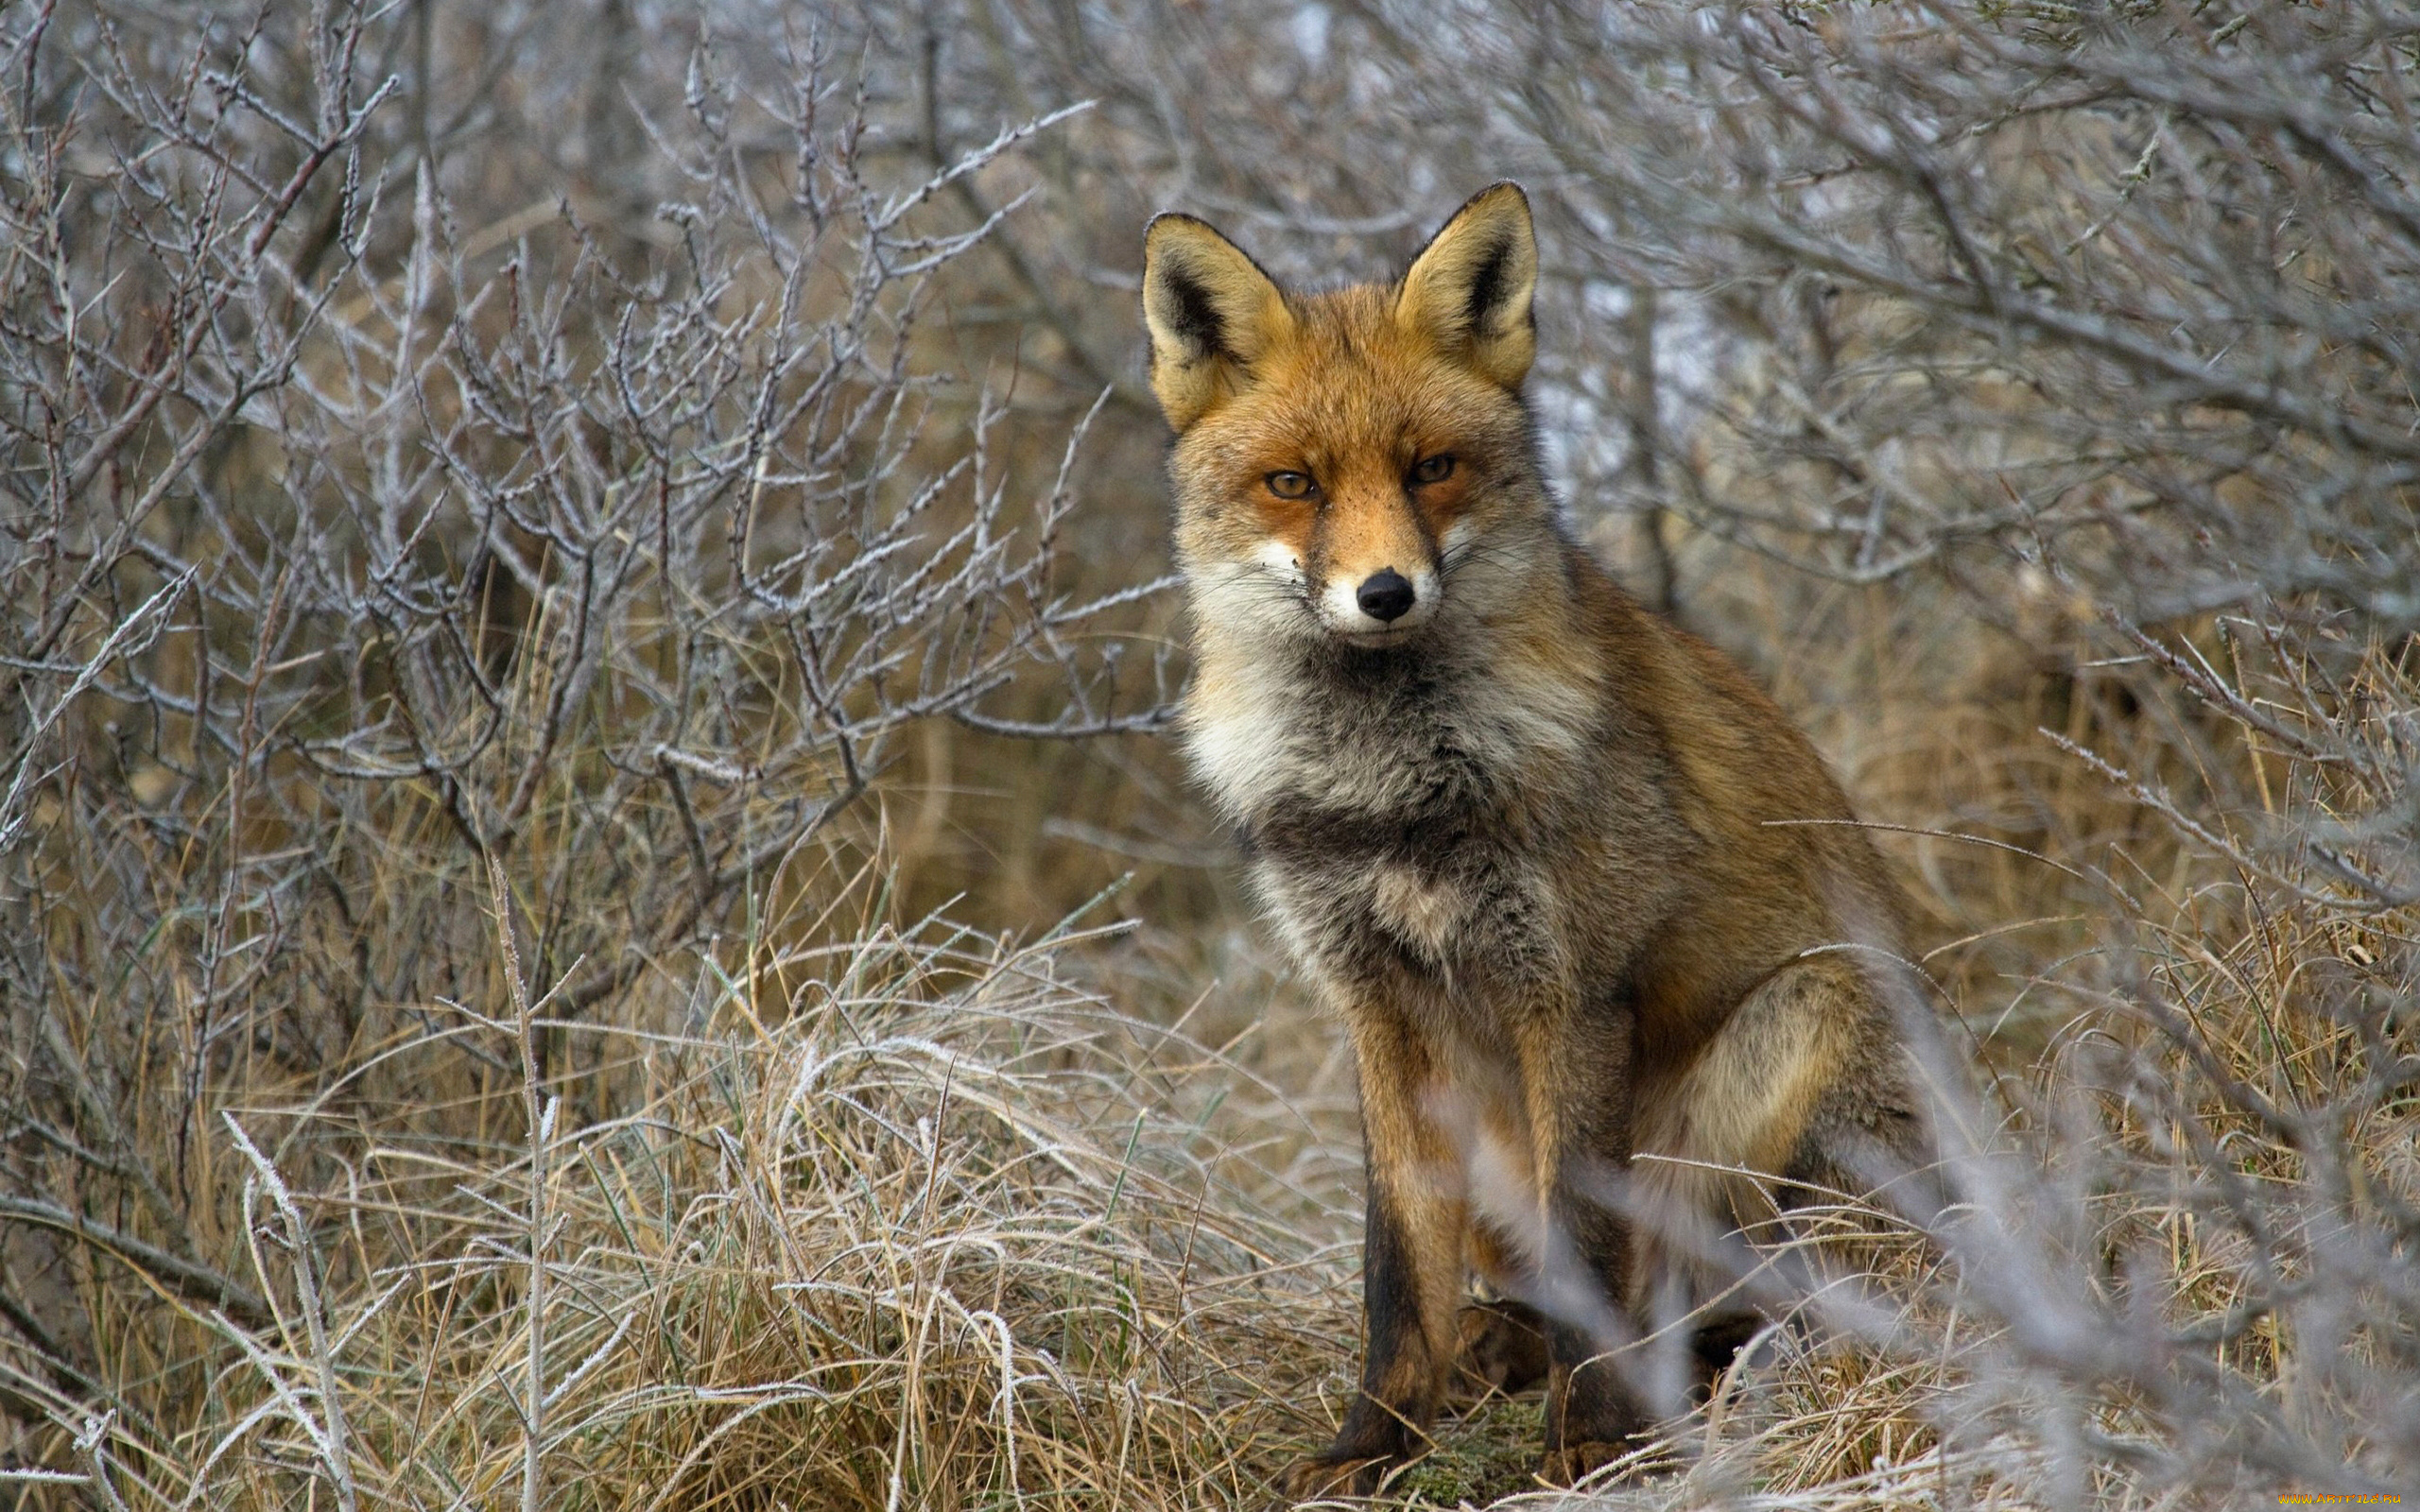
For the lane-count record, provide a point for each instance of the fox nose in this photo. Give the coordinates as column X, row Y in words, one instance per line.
column 1384, row 594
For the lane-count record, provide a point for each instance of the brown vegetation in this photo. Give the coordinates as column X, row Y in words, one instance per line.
column 591, row 913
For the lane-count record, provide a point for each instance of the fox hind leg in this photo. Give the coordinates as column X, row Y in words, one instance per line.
column 1804, row 1083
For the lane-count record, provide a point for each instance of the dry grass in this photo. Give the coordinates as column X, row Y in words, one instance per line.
column 941, row 1230
column 540, row 971
column 877, row 1211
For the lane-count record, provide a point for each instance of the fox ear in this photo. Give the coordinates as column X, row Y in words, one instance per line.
column 1469, row 289
column 1211, row 312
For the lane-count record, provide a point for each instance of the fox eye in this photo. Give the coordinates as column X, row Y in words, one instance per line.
column 1433, row 470
column 1290, row 485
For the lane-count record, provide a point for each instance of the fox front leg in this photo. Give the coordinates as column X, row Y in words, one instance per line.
column 1412, row 1273
column 1593, row 1414
column 1577, row 1089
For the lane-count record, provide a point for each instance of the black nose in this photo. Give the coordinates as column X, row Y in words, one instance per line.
column 1386, row 594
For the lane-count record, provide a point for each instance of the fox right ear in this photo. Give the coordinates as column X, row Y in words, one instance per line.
column 1211, row 312
column 1469, row 289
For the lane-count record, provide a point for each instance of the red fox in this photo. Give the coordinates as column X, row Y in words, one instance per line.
column 1542, row 852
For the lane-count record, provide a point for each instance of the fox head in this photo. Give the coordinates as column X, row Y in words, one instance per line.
column 1343, row 457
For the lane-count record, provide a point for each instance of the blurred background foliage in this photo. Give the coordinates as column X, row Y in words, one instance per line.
column 598, row 906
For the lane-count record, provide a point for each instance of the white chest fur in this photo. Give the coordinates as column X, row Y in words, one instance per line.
column 1266, row 729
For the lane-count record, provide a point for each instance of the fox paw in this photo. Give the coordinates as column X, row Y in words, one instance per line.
column 1322, row 1475
column 1574, row 1463
column 1503, row 1347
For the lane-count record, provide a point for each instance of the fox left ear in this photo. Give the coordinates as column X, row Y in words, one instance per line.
column 1469, row 289
column 1211, row 311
